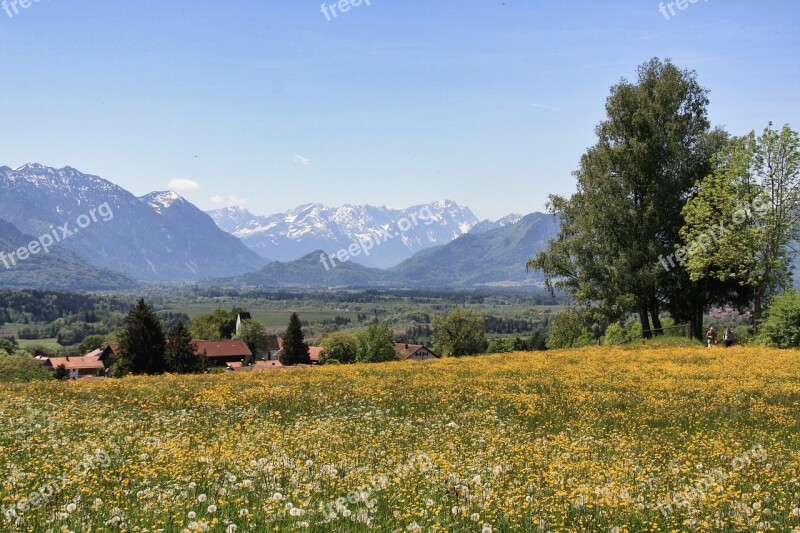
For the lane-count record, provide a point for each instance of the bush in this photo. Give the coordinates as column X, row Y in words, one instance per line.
column 615, row 334
column 743, row 335
column 782, row 327
column 569, row 329
column 501, row 346
column 22, row 368
column 339, row 346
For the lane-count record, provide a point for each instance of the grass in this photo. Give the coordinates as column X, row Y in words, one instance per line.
column 640, row 438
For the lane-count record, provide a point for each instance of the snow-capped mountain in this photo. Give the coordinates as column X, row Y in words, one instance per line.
column 396, row 234
column 159, row 237
column 487, row 225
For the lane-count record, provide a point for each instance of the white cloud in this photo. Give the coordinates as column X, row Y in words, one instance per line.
column 300, row 160
column 231, row 200
column 183, row 185
column 548, row 107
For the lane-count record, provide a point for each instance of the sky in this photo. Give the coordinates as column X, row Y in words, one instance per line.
column 273, row 104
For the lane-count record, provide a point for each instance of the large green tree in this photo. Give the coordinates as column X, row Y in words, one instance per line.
column 341, row 346
column 142, row 342
column 253, row 334
column 461, row 332
column 180, row 352
column 295, row 350
column 654, row 145
column 219, row 325
column 375, row 344
column 744, row 219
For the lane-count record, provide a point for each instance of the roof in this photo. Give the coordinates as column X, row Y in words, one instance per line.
column 407, row 351
column 235, row 348
column 274, row 343
column 314, row 353
column 244, row 315
column 78, row 363
column 259, row 365
column 267, row 365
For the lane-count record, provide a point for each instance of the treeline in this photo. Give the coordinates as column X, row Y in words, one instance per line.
column 31, row 306
column 371, row 296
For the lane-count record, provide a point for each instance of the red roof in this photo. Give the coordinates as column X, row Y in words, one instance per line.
column 78, row 363
column 267, row 365
column 407, row 351
column 214, row 349
column 314, row 353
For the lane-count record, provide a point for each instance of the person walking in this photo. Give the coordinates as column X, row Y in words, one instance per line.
column 727, row 338
column 711, row 336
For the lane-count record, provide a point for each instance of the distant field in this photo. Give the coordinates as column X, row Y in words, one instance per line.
column 46, row 343
column 11, row 329
column 596, row 439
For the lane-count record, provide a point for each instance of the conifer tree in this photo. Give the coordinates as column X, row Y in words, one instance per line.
column 295, row 350
column 180, row 351
column 142, row 342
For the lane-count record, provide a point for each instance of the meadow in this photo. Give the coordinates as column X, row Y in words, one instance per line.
column 595, row 439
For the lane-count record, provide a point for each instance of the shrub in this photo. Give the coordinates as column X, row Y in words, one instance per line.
column 22, row 368
column 615, row 334
column 569, row 329
column 340, row 346
column 782, row 327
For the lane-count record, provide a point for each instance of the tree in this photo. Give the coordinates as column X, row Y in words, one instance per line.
column 180, row 352
column 142, row 343
column 61, row 373
column 375, row 344
column 8, row 344
column 744, row 219
column 655, row 144
column 22, row 367
column 570, row 329
column 91, row 343
column 341, row 346
column 253, row 335
column 216, row 326
column 782, row 326
column 295, row 350
column 459, row 333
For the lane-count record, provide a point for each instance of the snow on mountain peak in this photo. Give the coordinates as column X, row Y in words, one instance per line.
column 162, row 200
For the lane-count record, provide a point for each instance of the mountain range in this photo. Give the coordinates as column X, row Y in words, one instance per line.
column 294, row 233
column 109, row 238
column 496, row 257
column 158, row 237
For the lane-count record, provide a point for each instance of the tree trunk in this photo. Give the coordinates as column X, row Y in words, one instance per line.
column 645, row 320
column 698, row 323
column 757, row 310
column 657, row 325
column 656, row 320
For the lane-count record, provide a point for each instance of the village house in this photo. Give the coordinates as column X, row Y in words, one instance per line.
column 220, row 353
column 88, row 365
column 413, row 352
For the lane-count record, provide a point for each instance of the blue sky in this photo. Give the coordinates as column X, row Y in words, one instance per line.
column 269, row 104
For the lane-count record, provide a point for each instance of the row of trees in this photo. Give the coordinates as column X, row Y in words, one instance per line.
column 674, row 215
column 146, row 349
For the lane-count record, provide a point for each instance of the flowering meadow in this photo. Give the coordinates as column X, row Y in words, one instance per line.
column 596, row 439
